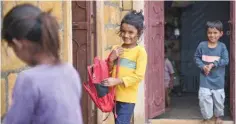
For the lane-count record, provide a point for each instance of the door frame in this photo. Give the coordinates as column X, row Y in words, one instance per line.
column 232, row 63
column 154, row 20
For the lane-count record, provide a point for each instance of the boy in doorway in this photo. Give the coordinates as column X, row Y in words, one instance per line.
column 211, row 57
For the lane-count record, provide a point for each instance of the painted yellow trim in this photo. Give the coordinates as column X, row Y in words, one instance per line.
column 101, row 39
column 67, row 48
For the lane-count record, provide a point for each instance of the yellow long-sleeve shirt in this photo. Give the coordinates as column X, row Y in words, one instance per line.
column 132, row 70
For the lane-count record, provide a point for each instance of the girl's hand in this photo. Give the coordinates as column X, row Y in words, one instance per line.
column 171, row 84
column 115, row 53
column 111, row 82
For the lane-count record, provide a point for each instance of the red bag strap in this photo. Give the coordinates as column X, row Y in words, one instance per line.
column 117, row 72
column 117, row 66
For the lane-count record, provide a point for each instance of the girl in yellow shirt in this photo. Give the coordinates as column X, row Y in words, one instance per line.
column 133, row 60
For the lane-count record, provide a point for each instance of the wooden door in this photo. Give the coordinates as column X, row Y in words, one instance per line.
column 154, row 44
column 232, row 59
column 83, row 33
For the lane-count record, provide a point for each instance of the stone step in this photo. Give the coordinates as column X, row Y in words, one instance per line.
column 182, row 121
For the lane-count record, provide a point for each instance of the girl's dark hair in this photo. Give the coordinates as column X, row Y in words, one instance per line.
column 135, row 19
column 215, row 24
column 27, row 22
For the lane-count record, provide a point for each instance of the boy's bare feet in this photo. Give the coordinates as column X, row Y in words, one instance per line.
column 213, row 118
column 206, row 121
column 219, row 120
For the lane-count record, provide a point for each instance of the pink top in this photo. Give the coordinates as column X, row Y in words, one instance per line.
column 168, row 69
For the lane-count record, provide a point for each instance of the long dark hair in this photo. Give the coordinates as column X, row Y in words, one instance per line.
column 135, row 19
column 27, row 22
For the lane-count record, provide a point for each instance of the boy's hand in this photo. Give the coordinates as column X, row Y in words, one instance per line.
column 111, row 82
column 115, row 53
column 206, row 69
column 210, row 66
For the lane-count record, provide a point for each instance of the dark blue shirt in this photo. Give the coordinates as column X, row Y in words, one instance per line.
column 219, row 57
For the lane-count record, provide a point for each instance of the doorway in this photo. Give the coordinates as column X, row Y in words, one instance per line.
column 191, row 28
column 184, row 30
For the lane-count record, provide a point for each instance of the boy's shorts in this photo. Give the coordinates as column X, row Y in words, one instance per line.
column 124, row 112
column 211, row 101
